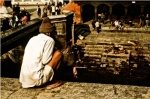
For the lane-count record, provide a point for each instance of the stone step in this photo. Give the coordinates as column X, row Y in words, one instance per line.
column 125, row 29
column 96, row 53
column 89, row 55
column 94, row 61
column 95, row 46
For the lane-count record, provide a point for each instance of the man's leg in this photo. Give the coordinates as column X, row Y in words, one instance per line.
column 55, row 64
column 56, row 60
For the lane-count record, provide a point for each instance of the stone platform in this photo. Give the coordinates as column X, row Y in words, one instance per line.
column 11, row 89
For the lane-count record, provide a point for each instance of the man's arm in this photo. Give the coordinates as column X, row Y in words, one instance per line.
column 48, row 51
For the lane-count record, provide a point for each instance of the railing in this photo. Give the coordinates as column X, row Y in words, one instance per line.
column 20, row 35
column 16, row 36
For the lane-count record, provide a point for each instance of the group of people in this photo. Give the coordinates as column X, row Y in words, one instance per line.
column 101, row 17
column 96, row 23
column 144, row 20
column 49, row 9
column 118, row 24
column 19, row 16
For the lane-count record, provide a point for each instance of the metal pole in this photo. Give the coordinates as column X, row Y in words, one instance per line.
column 73, row 33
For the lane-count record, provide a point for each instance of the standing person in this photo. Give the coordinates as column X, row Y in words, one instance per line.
column 99, row 17
column 23, row 13
column 53, row 9
column 49, row 8
column 147, row 19
column 17, row 9
column 103, row 18
column 41, row 59
column 6, row 25
column 13, row 8
column 16, row 20
column 13, row 20
column 45, row 9
column 142, row 20
column 57, row 10
column 93, row 24
column 116, row 23
column 39, row 11
column 97, row 25
column 29, row 16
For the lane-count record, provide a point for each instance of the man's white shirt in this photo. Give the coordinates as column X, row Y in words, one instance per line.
column 38, row 53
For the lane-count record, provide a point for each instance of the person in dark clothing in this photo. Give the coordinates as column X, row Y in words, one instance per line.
column 13, row 20
column 17, row 9
column 5, row 25
column 147, row 19
column 45, row 9
column 23, row 13
column 57, row 10
column 77, row 53
column 60, row 4
column 28, row 15
column 93, row 24
column 13, row 8
column 49, row 8
column 142, row 20
column 39, row 11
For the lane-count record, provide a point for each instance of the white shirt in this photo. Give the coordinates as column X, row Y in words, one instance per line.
column 16, row 18
column 53, row 9
column 116, row 23
column 97, row 24
column 38, row 53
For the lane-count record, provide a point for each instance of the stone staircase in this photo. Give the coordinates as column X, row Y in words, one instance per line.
column 101, row 53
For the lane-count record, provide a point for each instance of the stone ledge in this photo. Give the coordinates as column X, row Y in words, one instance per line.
column 73, row 90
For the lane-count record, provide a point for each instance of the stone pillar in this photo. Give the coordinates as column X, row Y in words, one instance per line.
column 81, row 13
column 126, row 9
column 142, row 9
column 56, row 1
column 95, row 10
column 13, row 0
column 73, row 38
column 110, row 9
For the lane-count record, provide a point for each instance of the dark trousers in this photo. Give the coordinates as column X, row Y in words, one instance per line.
column 97, row 29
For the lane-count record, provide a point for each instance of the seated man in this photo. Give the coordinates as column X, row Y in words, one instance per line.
column 24, row 19
column 41, row 59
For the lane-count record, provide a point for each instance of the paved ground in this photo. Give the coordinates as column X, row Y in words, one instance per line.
column 11, row 89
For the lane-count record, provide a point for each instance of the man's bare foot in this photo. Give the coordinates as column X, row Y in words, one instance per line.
column 54, row 85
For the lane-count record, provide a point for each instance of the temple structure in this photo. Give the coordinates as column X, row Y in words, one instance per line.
column 34, row 1
column 87, row 10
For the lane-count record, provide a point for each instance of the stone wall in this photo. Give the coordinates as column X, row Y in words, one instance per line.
column 63, row 25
